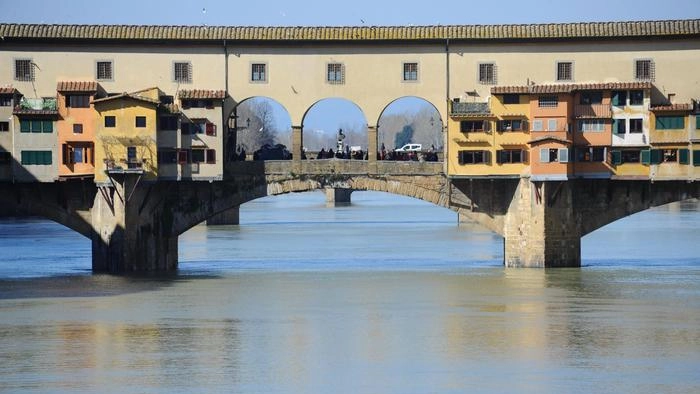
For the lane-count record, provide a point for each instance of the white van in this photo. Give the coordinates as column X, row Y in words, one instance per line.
column 410, row 148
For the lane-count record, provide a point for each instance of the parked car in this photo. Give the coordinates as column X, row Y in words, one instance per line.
column 272, row 152
column 410, row 148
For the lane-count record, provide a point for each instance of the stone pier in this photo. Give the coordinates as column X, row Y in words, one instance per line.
column 228, row 217
column 337, row 197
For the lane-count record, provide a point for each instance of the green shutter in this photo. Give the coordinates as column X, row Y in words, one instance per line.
column 616, row 98
column 697, row 121
column 646, row 156
column 696, row 158
column 36, row 126
column 25, row 157
column 47, row 126
column 616, row 157
column 47, row 157
column 683, row 156
column 25, row 126
column 656, row 156
column 670, row 123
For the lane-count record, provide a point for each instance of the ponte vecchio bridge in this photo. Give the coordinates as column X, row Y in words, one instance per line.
column 123, row 133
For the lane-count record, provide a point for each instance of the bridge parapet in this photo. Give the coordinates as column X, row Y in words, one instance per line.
column 334, row 166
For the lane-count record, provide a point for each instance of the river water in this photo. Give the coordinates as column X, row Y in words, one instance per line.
column 388, row 295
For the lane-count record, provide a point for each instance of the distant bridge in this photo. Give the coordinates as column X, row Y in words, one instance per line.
column 134, row 225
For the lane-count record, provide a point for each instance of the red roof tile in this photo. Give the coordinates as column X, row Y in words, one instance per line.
column 74, row 86
column 202, row 94
column 568, row 88
column 671, row 107
column 7, row 90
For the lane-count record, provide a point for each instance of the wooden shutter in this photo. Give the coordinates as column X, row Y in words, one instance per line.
column 683, row 156
column 656, row 156
column 696, row 158
column 646, row 156
column 544, row 155
column 211, row 129
column 616, row 157
column 487, row 157
column 563, row 155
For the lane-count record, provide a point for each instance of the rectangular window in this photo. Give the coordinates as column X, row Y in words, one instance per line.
column 104, row 70
column 636, row 125
column 487, row 73
column 140, row 121
column 683, row 156
column 24, row 70
column 78, row 101
column 644, row 70
column 131, row 153
column 636, row 97
column 78, row 155
column 547, row 101
column 197, row 155
column 197, row 103
column 210, row 128
column 5, row 158
column 467, row 126
column 619, row 98
column 335, row 73
column 511, row 156
column 410, row 71
column 258, row 72
column 77, row 128
column 182, row 156
column 631, row 156
column 168, row 122
column 512, row 125
column 697, row 121
column 182, row 72
column 619, row 126
column 696, row 158
column 6, row 101
column 590, row 155
column 474, row 157
column 553, row 155
column 511, row 99
column 552, row 125
column 35, row 126
column 110, row 121
column 565, row 71
column 4, row 126
column 670, row 155
column 36, row 157
column 211, row 156
column 591, row 125
column 670, row 123
column 590, row 98
column 537, row 125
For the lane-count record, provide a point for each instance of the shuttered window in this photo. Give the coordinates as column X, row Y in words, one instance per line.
column 670, row 123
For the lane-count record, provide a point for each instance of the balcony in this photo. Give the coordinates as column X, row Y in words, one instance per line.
column 467, row 110
column 597, row 111
column 36, row 106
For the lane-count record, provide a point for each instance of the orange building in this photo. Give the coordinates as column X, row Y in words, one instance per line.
column 592, row 130
column 76, row 128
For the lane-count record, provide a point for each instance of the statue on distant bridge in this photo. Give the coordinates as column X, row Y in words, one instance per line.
column 341, row 137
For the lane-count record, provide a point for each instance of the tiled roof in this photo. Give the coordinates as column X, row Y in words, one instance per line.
column 7, row 90
column 641, row 29
column 127, row 95
column 671, row 107
column 568, row 88
column 24, row 111
column 548, row 138
column 74, row 86
column 202, row 94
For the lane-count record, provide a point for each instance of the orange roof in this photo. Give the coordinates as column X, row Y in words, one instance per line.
column 202, row 94
column 75, row 86
column 569, row 87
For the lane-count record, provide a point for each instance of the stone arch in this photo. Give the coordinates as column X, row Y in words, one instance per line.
column 237, row 123
column 219, row 197
column 361, row 136
column 437, row 123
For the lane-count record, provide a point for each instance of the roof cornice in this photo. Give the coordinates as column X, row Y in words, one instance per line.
column 581, row 30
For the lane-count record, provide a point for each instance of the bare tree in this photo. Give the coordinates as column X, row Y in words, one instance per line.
column 256, row 124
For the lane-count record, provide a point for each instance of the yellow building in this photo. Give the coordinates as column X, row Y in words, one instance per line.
column 126, row 134
column 470, row 140
column 669, row 140
column 512, row 111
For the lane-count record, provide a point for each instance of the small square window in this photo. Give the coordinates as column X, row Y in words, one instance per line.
column 182, row 72
column 104, row 70
column 24, row 70
column 110, row 121
column 77, row 128
column 644, row 70
column 636, row 125
column 410, row 71
column 140, row 121
column 565, row 71
column 487, row 73
column 78, row 101
column 4, row 126
column 258, row 72
column 636, row 97
column 6, row 101
column 547, row 101
column 335, row 74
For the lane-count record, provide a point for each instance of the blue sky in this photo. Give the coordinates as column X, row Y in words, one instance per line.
column 348, row 13
column 341, row 13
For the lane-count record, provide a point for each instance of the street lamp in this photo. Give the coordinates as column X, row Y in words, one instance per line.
column 247, row 123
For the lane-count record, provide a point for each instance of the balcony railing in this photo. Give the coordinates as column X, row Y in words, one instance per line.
column 592, row 111
column 45, row 105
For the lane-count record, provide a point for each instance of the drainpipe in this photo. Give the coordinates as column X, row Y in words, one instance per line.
column 445, row 142
column 14, row 158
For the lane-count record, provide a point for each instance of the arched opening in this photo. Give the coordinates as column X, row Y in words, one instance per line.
column 335, row 127
column 263, row 130
column 410, row 125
